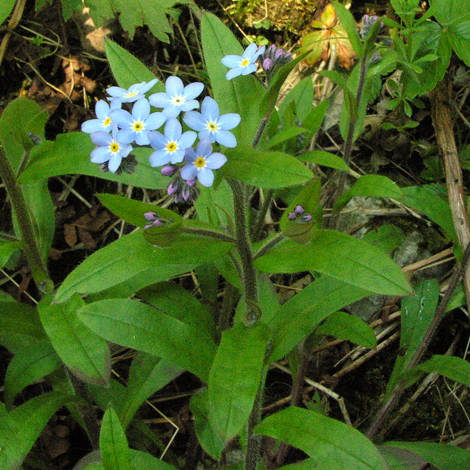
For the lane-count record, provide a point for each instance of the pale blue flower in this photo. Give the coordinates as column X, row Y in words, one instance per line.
column 201, row 162
column 244, row 64
column 104, row 121
column 170, row 148
column 111, row 149
column 134, row 93
column 177, row 97
column 211, row 126
column 135, row 126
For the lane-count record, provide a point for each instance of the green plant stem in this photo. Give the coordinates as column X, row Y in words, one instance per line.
column 258, row 225
column 245, row 251
column 208, row 233
column 399, row 389
column 20, row 208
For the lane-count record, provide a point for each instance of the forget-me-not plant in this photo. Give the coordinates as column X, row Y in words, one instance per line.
column 211, row 126
column 244, row 64
column 170, row 148
column 200, row 163
column 135, row 127
column 104, row 121
column 134, row 93
column 110, row 149
column 177, row 97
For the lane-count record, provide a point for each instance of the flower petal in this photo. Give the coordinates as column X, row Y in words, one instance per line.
column 210, row 108
column 174, row 86
column 228, row 121
column 93, row 125
column 232, row 61
column 193, row 90
column 173, row 129
column 215, row 161
column 226, row 139
column 141, row 109
column 121, row 117
column 187, row 139
column 102, row 109
column 250, row 50
column 126, row 136
column 159, row 158
column 154, row 121
column 188, row 172
column 101, row 138
column 157, row 140
column 159, row 100
column 233, row 73
column 205, row 177
column 204, row 148
column 100, row 155
column 195, row 120
column 114, row 162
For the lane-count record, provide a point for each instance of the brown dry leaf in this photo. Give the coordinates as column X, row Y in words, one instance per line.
column 70, row 235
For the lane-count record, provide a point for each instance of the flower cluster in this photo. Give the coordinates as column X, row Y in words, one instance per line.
column 116, row 129
column 299, row 216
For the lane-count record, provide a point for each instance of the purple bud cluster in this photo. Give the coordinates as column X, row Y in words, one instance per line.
column 299, row 216
column 274, row 56
column 155, row 220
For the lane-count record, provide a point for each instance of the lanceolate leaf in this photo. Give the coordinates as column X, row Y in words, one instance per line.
column 131, row 255
column 240, row 95
column 7, row 249
column 349, row 327
column 30, row 364
column 85, row 353
column 20, row 428
column 127, row 70
column 319, row 157
column 299, row 316
column 329, row 442
column 147, row 374
column 349, row 24
column 113, row 443
column 370, row 185
column 266, row 169
column 142, row 327
column 454, row 368
column 235, row 377
column 70, row 154
column 340, row 256
column 443, row 457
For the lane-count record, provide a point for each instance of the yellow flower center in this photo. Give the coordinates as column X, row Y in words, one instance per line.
column 212, row 126
column 131, row 94
column 245, row 62
column 114, row 147
column 107, row 122
column 138, row 126
column 171, row 146
column 200, row 162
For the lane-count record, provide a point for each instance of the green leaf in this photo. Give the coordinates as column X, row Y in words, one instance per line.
column 454, row 368
column 284, row 136
column 21, row 116
column 348, row 327
column 300, row 315
column 215, row 206
column 152, row 13
column 447, row 11
column 340, row 256
column 142, row 460
column 19, row 325
column 177, row 302
column 147, row 375
column 302, row 96
column 6, row 7
column 7, row 249
column 319, row 157
column 20, row 428
column 34, row 362
column 113, row 443
column 235, row 377
column 145, row 328
column 265, row 169
column 308, row 198
column 128, row 70
column 85, row 353
column 207, row 435
column 443, row 457
column 70, row 154
column 131, row 255
column 241, row 95
column 459, row 37
column 133, row 211
column 329, row 442
column 349, row 24
column 387, row 237
column 372, row 186
column 431, row 200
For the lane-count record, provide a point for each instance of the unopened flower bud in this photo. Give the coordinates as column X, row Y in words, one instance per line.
column 292, row 216
column 171, row 189
column 299, row 209
column 168, row 170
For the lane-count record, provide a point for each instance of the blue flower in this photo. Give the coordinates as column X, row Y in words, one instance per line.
column 171, row 146
column 111, row 149
column 135, row 126
column 134, row 93
column 177, row 97
column 104, row 121
column 211, row 126
column 201, row 162
column 244, row 64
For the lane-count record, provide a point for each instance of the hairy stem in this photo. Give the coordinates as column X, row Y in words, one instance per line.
column 20, row 208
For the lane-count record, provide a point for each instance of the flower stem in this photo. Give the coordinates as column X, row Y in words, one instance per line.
column 33, row 254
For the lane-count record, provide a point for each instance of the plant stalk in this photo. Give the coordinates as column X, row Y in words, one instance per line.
column 33, row 253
